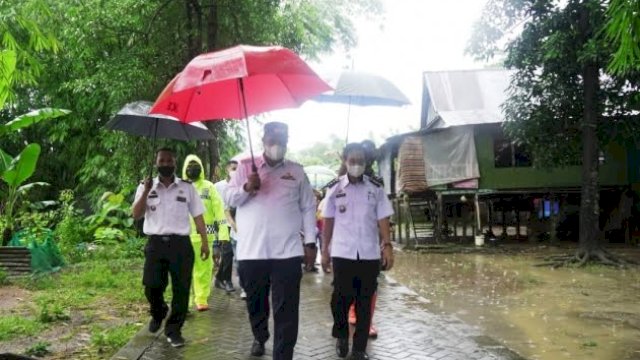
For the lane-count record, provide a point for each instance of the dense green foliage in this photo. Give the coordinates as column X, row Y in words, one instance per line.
column 545, row 109
column 623, row 31
column 93, row 57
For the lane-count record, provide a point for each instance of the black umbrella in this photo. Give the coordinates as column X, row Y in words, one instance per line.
column 134, row 119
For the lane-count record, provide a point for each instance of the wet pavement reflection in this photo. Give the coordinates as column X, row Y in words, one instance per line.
column 542, row 313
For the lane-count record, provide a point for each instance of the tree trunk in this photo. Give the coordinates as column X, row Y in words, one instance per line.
column 214, row 126
column 6, row 235
column 589, row 209
column 589, row 212
column 212, row 26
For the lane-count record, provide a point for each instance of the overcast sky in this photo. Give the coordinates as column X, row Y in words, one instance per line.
column 413, row 36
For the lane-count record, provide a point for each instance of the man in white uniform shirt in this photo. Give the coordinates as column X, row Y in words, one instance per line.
column 356, row 236
column 273, row 202
column 166, row 203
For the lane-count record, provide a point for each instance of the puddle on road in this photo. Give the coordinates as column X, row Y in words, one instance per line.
column 541, row 313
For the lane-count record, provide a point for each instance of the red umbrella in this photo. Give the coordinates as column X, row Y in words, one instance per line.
column 237, row 82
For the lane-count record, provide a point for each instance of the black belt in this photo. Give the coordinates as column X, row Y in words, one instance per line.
column 166, row 238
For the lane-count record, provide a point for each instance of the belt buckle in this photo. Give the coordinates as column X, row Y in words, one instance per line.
column 165, row 238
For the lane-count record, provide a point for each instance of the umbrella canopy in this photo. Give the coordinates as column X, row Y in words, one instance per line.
column 363, row 89
column 238, row 82
column 134, row 119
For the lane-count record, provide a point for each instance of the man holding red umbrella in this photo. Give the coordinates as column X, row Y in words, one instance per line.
column 272, row 205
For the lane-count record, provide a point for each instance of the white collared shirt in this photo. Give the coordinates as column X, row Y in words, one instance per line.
column 221, row 186
column 356, row 210
column 269, row 221
column 168, row 208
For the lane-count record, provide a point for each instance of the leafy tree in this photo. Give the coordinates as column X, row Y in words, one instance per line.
column 561, row 104
column 623, row 31
column 114, row 52
column 22, row 41
column 325, row 154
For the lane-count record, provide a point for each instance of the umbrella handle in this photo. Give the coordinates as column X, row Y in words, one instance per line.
column 153, row 148
column 254, row 168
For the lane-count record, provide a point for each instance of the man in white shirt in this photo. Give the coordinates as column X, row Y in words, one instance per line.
column 273, row 202
column 226, row 248
column 166, row 203
column 356, row 236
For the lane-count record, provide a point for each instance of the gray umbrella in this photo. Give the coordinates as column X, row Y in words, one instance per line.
column 134, row 119
column 362, row 89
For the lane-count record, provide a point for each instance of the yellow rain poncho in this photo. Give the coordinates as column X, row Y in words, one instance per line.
column 214, row 217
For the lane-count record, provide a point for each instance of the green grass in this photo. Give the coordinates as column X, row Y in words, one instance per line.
column 92, row 291
column 16, row 326
column 81, row 286
column 112, row 339
column 529, row 280
column 52, row 313
column 39, row 349
column 4, row 278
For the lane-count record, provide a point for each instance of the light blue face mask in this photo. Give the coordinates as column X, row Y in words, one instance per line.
column 355, row 170
column 275, row 152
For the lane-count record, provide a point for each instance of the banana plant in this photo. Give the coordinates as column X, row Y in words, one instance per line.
column 15, row 171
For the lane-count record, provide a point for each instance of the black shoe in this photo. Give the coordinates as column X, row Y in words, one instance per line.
column 228, row 287
column 257, row 349
column 218, row 284
column 342, row 347
column 156, row 323
column 176, row 340
column 359, row 355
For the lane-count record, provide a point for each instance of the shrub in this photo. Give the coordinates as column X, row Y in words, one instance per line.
column 39, row 349
column 49, row 314
column 113, row 338
column 4, row 277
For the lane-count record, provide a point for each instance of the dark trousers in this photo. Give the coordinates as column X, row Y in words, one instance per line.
column 166, row 255
column 226, row 262
column 353, row 280
column 282, row 278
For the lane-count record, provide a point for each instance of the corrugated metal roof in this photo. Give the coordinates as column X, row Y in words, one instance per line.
column 467, row 97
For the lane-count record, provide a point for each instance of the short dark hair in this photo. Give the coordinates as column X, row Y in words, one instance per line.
column 231, row 162
column 351, row 147
column 166, row 149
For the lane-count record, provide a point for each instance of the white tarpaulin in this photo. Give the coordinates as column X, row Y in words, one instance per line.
column 450, row 156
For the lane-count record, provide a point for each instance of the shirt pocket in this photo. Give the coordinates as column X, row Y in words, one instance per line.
column 153, row 203
column 289, row 189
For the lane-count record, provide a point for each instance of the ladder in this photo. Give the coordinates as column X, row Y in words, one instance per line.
column 423, row 227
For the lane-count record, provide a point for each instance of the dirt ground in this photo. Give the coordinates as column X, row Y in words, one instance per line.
column 541, row 313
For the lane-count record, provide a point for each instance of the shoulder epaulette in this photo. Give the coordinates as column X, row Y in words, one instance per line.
column 188, row 181
column 377, row 181
column 331, row 183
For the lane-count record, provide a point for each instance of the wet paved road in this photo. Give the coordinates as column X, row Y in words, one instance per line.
column 406, row 330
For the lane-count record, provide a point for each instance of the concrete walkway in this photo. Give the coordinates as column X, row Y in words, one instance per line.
column 407, row 330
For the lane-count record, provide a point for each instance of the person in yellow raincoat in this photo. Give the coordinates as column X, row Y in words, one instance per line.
column 213, row 217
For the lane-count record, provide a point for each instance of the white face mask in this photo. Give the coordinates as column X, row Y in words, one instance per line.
column 231, row 172
column 355, row 170
column 275, row 152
